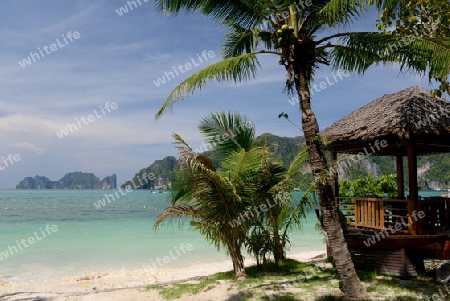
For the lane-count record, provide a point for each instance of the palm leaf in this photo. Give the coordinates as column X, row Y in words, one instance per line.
column 227, row 132
column 237, row 69
column 238, row 41
column 244, row 12
column 180, row 143
column 240, row 163
column 206, row 188
column 339, row 11
column 439, row 55
column 360, row 50
column 299, row 162
column 177, row 211
column 301, row 208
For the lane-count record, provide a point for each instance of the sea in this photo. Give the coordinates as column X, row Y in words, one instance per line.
column 53, row 234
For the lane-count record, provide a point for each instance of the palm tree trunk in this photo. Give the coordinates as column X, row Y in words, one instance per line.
column 278, row 247
column 352, row 285
column 238, row 261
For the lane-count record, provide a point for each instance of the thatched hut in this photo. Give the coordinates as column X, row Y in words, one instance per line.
column 408, row 123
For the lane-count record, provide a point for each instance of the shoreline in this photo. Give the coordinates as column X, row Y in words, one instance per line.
column 120, row 284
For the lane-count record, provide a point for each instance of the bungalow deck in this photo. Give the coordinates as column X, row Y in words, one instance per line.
column 386, row 234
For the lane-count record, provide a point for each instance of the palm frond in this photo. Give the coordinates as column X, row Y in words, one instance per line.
column 242, row 162
column 177, row 211
column 180, row 143
column 299, row 162
column 360, row 50
column 295, row 171
column 207, row 189
column 438, row 51
column 340, row 11
column 302, row 207
column 239, row 41
column 244, row 12
column 227, row 132
column 237, row 69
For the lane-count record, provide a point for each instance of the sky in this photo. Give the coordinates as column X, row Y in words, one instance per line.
column 96, row 67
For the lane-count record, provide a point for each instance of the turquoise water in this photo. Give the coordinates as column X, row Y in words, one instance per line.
column 428, row 193
column 117, row 236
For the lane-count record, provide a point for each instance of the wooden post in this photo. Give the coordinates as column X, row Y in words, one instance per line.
column 381, row 212
column 357, row 212
column 400, row 177
column 413, row 201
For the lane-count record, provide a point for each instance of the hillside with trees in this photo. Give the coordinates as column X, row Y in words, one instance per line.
column 434, row 170
column 164, row 171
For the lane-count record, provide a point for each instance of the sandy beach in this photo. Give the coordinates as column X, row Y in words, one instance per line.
column 125, row 285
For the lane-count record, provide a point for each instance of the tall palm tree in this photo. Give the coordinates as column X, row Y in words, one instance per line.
column 289, row 29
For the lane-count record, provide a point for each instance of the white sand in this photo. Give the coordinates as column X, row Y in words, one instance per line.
column 125, row 285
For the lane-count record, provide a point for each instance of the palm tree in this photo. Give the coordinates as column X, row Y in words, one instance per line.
column 289, row 29
column 268, row 188
column 271, row 189
column 210, row 200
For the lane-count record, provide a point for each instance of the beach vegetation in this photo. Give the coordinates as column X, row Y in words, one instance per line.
column 272, row 213
column 385, row 185
column 209, row 199
column 245, row 202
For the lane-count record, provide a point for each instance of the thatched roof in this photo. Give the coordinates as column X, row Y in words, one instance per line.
column 410, row 112
column 412, row 109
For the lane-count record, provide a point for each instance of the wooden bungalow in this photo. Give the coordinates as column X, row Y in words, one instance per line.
column 395, row 235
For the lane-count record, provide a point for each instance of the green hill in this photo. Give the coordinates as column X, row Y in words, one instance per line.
column 164, row 171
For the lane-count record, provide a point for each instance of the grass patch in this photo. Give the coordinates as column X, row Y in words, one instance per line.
column 174, row 291
column 299, row 281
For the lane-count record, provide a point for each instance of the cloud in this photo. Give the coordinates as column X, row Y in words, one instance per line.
column 29, row 146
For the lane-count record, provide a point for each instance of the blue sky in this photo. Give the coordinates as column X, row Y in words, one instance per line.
column 117, row 59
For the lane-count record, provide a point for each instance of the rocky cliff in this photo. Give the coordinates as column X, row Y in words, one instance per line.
column 163, row 171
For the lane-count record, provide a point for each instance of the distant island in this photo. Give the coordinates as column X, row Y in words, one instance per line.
column 73, row 180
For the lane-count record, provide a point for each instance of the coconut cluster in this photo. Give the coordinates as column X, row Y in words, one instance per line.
column 284, row 35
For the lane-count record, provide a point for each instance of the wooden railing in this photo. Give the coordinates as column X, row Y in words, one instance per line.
column 375, row 213
column 385, row 213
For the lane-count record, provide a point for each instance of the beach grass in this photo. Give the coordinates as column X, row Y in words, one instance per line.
column 192, row 287
column 300, row 281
